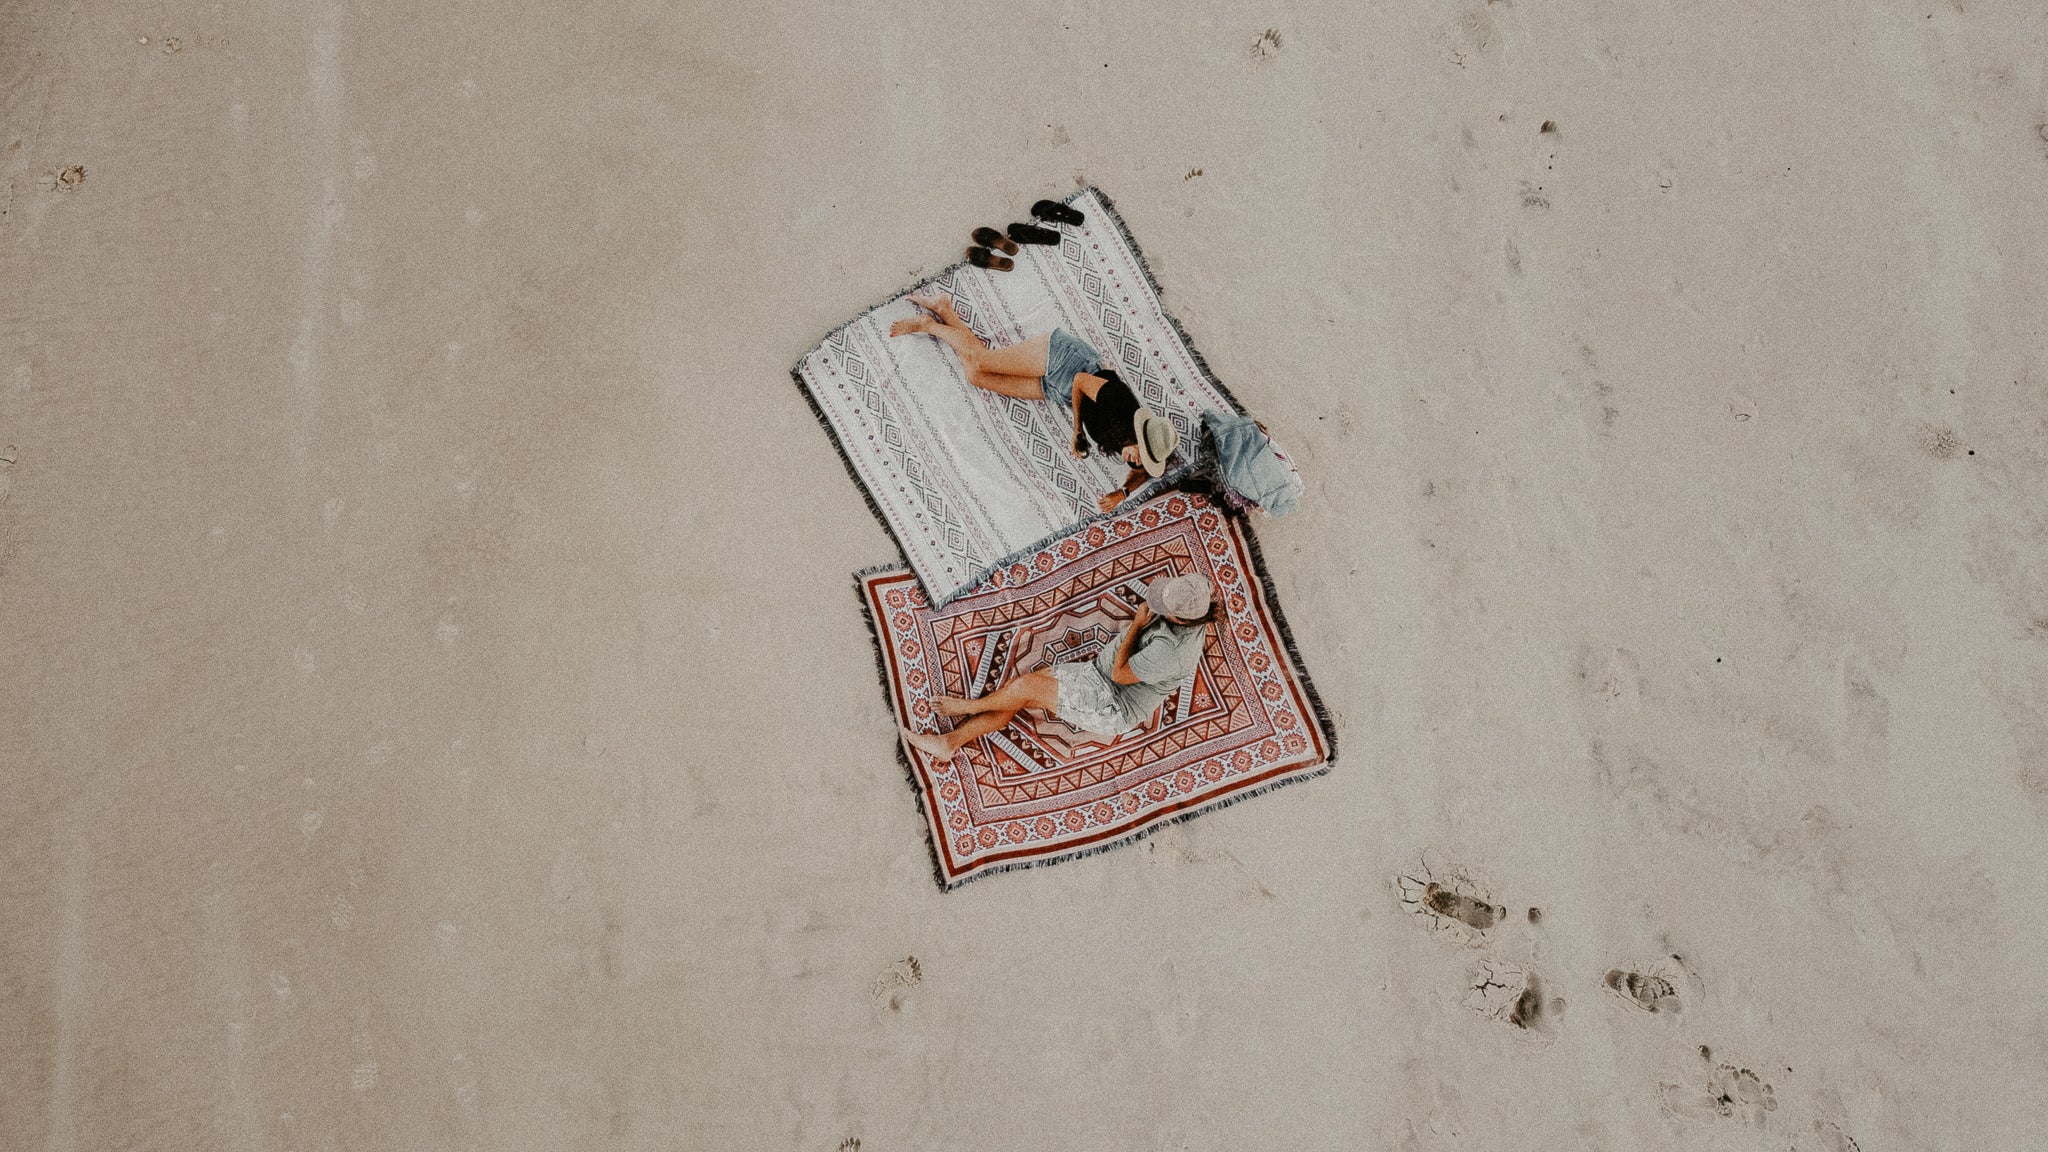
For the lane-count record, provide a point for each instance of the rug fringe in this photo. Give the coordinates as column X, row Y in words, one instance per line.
column 1209, row 483
column 913, row 286
column 924, row 810
column 852, row 473
column 1308, row 684
column 1140, row 834
column 1116, row 218
column 1167, row 482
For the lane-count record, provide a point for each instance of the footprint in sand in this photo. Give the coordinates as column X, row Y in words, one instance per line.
column 1660, row 987
column 1740, row 1093
column 889, row 987
column 1449, row 901
column 1732, row 1092
column 1649, row 993
column 68, row 180
column 1514, row 996
column 1830, row 1138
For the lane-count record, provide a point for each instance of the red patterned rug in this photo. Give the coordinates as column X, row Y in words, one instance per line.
column 1040, row 790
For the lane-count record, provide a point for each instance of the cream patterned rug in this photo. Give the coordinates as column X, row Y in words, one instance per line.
column 965, row 479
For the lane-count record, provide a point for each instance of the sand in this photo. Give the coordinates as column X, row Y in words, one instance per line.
column 435, row 711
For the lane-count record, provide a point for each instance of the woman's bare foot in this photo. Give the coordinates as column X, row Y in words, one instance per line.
column 913, row 325
column 930, row 743
column 942, row 307
column 954, row 706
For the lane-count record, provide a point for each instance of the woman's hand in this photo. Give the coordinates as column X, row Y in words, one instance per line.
column 1080, row 448
column 1110, row 500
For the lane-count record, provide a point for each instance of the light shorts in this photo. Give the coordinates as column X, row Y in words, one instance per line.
column 1088, row 701
column 1066, row 354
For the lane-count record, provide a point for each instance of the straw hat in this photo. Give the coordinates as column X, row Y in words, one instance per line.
column 1157, row 438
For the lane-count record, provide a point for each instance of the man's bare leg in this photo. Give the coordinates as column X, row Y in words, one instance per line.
column 943, row 746
column 930, row 743
column 1039, row 689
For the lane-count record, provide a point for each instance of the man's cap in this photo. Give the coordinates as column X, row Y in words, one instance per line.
column 1182, row 597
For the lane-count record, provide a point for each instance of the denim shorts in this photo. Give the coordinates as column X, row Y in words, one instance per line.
column 1066, row 354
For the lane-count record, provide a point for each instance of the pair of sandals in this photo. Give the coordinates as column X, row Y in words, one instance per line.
column 993, row 249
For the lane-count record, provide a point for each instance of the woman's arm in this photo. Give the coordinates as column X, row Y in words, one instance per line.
column 1116, row 496
column 1085, row 387
column 1080, row 445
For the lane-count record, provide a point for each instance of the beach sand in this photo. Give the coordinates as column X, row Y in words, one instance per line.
column 436, row 713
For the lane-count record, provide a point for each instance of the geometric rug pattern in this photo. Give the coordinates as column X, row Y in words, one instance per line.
column 1040, row 790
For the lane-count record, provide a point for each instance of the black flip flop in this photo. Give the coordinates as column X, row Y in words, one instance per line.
column 1033, row 234
column 983, row 258
column 991, row 238
column 1056, row 212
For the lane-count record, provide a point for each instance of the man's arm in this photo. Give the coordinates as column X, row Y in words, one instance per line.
column 1121, row 672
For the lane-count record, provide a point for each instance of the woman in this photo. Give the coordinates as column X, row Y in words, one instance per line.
column 1060, row 368
column 1121, row 689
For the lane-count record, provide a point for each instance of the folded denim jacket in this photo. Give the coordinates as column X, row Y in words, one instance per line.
column 1250, row 468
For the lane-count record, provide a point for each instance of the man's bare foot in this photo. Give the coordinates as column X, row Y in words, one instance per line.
column 942, row 307
column 930, row 743
column 954, row 706
column 912, row 326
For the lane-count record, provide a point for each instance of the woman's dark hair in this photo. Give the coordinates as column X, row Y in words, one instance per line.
column 1127, row 436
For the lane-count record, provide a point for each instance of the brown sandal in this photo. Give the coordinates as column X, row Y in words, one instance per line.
column 983, row 258
column 990, row 238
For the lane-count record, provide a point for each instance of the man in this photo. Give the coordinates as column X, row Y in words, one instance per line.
column 1060, row 368
column 1117, row 691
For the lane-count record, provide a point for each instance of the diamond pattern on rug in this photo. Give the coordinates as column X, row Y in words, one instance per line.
column 1042, row 790
column 964, row 478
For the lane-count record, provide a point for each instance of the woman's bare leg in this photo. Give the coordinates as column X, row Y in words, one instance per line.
column 1024, row 358
column 1012, row 371
column 942, row 307
column 1019, row 387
